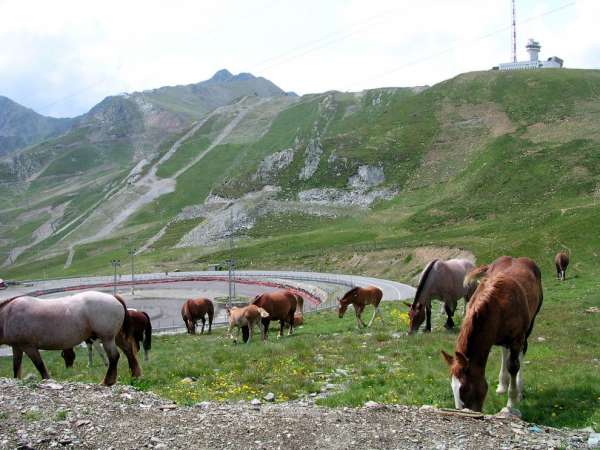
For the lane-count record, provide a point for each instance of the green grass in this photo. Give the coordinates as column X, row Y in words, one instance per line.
column 561, row 378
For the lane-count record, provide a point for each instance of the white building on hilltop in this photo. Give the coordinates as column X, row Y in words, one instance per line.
column 533, row 48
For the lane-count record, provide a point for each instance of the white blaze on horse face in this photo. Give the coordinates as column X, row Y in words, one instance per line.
column 456, row 391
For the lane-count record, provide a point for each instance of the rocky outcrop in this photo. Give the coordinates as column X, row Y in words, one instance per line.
column 366, row 177
column 339, row 197
column 273, row 164
column 312, row 157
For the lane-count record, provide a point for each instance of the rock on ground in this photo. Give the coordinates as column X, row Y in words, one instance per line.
column 91, row 416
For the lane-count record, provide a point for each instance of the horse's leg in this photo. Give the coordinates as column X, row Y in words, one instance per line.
column 520, row 377
column 250, row 327
column 261, row 325
column 379, row 313
column 291, row 319
column 193, row 326
column 449, row 308
column 428, row 318
column 514, row 365
column 504, row 376
column 373, row 318
column 281, row 325
column 100, row 350
column 17, row 360
column 203, row 323
column 210, row 319
column 89, row 346
column 266, row 323
column 113, row 359
column 127, row 344
column 36, row 358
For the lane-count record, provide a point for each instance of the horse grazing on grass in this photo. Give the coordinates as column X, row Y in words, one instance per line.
column 440, row 280
column 140, row 331
column 561, row 260
column 299, row 315
column 281, row 305
column 245, row 318
column 501, row 312
column 192, row 310
column 29, row 324
column 360, row 297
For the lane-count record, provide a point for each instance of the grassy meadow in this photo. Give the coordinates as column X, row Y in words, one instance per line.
column 561, row 369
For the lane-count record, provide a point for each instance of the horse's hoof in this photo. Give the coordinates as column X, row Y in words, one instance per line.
column 501, row 390
column 426, row 331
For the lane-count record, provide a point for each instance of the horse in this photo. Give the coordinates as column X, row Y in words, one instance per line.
column 299, row 315
column 361, row 297
column 140, row 330
column 192, row 310
column 440, row 280
column 561, row 261
column 29, row 324
column 281, row 305
column 502, row 311
column 245, row 318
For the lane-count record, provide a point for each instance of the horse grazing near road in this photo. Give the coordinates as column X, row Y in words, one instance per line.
column 29, row 324
column 501, row 312
column 360, row 297
column 561, row 260
column 440, row 280
column 245, row 318
column 192, row 310
column 281, row 305
column 140, row 331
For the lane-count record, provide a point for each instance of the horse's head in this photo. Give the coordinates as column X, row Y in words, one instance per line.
column 416, row 316
column 346, row 300
column 468, row 384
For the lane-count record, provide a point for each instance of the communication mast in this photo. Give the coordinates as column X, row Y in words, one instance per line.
column 514, row 33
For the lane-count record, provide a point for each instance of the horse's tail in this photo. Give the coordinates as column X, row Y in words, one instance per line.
column 300, row 304
column 147, row 332
column 475, row 275
column 126, row 327
column 424, row 277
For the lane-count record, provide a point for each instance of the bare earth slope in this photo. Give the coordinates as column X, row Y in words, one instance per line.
column 89, row 416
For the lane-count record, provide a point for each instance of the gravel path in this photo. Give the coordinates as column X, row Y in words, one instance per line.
column 75, row 415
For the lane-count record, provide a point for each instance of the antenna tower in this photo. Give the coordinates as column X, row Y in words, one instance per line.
column 514, row 33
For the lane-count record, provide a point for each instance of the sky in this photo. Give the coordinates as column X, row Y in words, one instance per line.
column 61, row 57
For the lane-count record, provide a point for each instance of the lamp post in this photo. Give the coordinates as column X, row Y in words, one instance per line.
column 115, row 263
column 131, row 252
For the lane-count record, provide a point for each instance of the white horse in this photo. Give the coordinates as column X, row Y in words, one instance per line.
column 30, row 324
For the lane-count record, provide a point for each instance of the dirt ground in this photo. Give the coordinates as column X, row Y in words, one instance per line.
column 75, row 415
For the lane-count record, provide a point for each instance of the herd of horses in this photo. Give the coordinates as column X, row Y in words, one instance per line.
column 502, row 300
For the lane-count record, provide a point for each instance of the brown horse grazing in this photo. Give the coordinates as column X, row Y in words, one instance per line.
column 501, row 312
column 140, row 331
column 561, row 260
column 441, row 280
column 29, row 324
column 192, row 310
column 246, row 317
column 361, row 297
column 281, row 305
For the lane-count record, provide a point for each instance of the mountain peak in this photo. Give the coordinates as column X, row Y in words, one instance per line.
column 222, row 75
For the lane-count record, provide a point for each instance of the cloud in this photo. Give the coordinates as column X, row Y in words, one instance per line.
column 62, row 57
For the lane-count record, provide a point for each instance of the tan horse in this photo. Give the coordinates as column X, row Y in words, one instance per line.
column 192, row 310
column 246, row 317
column 441, row 280
column 30, row 324
column 501, row 312
column 360, row 298
column 561, row 261
column 281, row 305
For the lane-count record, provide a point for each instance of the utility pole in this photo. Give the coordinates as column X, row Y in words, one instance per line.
column 131, row 252
column 514, row 33
column 231, row 261
column 115, row 263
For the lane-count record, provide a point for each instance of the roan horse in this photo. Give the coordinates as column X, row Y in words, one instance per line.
column 140, row 331
column 192, row 310
column 281, row 305
column 561, row 260
column 29, row 324
column 360, row 297
column 501, row 312
column 245, row 318
column 441, row 280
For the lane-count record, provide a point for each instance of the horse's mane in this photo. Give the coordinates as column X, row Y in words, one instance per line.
column 480, row 308
column 423, row 280
column 350, row 292
column 257, row 298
